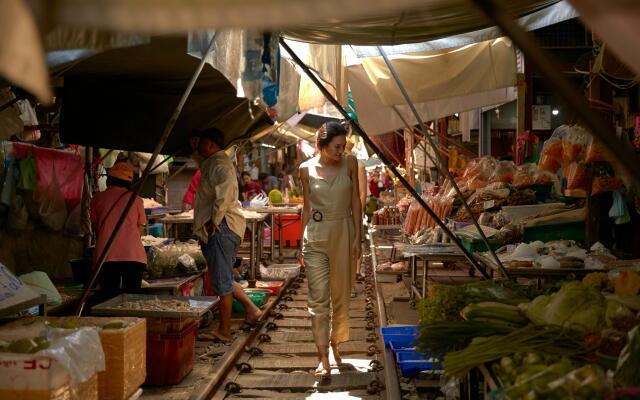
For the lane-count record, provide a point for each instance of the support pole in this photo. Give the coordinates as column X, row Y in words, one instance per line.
column 445, row 171
column 624, row 156
column 384, row 159
column 136, row 190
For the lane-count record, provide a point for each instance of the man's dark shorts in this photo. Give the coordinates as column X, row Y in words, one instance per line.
column 220, row 252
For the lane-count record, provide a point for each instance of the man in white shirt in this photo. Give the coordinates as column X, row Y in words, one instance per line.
column 220, row 226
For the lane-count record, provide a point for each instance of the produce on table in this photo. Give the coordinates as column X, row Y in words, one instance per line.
column 597, row 280
column 26, row 345
column 628, row 369
column 444, row 302
column 275, row 196
column 575, row 305
column 627, row 283
column 490, row 310
column 155, row 305
column 537, row 339
column 440, row 337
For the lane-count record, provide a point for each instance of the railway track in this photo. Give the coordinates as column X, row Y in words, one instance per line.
column 278, row 358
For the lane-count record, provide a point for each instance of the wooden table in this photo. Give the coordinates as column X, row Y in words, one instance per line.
column 174, row 221
column 539, row 274
column 278, row 210
column 256, row 227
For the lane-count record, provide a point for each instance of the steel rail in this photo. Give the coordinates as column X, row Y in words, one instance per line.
column 391, row 383
column 438, row 157
column 384, row 159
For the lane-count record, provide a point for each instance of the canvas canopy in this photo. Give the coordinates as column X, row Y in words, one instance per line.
column 123, row 98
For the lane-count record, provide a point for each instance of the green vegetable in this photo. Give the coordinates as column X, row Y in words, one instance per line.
column 542, row 339
column 575, row 305
column 444, row 302
column 493, row 310
column 28, row 345
column 441, row 337
column 629, row 360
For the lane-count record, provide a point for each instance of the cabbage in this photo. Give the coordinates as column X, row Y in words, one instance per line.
column 574, row 305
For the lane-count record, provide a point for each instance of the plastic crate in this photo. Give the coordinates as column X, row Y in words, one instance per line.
column 256, row 297
column 563, row 231
column 273, row 286
column 170, row 357
column 291, row 230
column 399, row 336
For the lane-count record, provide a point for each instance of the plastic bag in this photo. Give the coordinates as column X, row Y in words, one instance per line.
column 595, row 152
column 574, row 144
column 186, row 264
column 503, row 172
column 259, row 201
column 27, row 179
column 525, row 176
column 551, row 157
column 577, row 177
column 40, row 282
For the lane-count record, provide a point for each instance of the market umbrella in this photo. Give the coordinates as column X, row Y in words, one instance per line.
column 123, row 98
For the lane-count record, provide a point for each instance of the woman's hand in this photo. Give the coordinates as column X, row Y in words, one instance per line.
column 300, row 258
column 356, row 249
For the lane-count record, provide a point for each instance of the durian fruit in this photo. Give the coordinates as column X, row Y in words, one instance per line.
column 275, row 197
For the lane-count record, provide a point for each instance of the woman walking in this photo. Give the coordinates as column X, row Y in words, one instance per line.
column 331, row 222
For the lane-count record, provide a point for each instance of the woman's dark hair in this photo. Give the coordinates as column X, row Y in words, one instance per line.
column 118, row 182
column 244, row 173
column 328, row 131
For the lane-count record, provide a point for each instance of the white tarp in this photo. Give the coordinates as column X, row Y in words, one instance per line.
column 433, row 75
column 441, row 84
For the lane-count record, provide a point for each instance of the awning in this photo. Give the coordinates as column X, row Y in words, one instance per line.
column 432, row 19
column 123, row 98
column 561, row 11
column 440, row 83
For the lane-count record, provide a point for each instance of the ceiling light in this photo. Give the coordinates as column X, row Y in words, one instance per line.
column 555, row 111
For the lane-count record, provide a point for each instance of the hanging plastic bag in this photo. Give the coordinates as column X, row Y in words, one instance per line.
column 27, row 179
column 53, row 209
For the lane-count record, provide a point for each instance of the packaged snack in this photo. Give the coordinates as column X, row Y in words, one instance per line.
column 525, row 176
column 577, row 177
column 503, row 172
